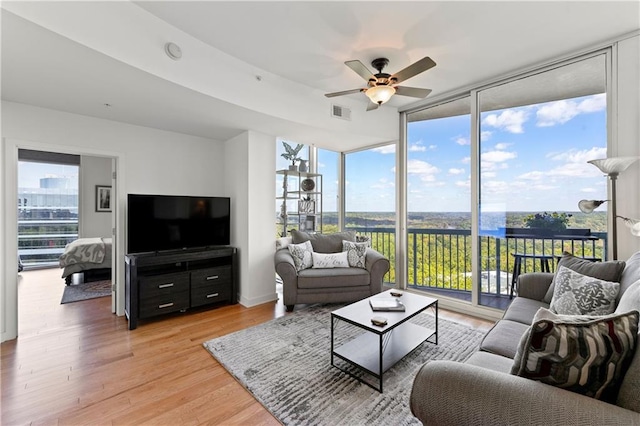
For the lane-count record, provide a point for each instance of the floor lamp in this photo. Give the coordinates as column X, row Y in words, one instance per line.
column 612, row 167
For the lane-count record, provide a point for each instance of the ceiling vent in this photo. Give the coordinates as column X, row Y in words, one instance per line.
column 340, row 112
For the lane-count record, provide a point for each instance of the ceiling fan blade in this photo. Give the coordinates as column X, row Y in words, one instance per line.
column 372, row 106
column 360, row 69
column 344, row 92
column 413, row 69
column 414, row 92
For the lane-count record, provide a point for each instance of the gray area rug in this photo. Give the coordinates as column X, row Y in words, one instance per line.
column 286, row 364
column 86, row 291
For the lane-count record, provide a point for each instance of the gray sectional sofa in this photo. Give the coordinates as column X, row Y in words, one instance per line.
column 328, row 285
column 482, row 391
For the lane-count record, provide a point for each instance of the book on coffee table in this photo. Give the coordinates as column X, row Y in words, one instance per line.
column 386, row 304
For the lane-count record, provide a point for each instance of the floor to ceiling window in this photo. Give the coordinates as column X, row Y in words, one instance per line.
column 370, row 198
column 47, row 206
column 536, row 135
column 327, row 166
column 438, row 199
column 524, row 165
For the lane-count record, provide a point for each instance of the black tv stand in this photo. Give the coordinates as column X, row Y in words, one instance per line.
column 160, row 282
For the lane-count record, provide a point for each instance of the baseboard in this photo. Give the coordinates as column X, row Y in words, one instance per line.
column 461, row 307
column 248, row 303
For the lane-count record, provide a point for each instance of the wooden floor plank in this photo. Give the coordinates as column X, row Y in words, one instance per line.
column 78, row 364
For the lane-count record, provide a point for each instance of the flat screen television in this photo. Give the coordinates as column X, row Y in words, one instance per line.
column 171, row 222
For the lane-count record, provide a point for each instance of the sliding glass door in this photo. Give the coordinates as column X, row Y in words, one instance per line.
column 487, row 170
column 536, row 135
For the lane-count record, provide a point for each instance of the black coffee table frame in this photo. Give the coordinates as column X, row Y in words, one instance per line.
column 380, row 348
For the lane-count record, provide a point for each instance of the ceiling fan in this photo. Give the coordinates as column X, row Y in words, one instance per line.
column 381, row 86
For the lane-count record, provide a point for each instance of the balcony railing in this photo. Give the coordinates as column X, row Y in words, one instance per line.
column 41, row 242
column 440, row 259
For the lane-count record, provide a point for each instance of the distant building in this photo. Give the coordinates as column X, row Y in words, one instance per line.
column 56, row 182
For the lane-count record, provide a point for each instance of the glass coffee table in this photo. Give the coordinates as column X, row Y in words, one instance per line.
column 378, row 348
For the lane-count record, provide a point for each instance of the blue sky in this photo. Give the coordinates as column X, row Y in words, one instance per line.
column 533, row 158
column 29, row 173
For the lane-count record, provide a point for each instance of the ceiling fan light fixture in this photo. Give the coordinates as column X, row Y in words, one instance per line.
column 380, row 94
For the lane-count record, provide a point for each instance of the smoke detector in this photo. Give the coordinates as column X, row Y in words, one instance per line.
column 173, row 51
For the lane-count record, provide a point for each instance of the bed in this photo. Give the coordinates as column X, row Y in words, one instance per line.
column 92, row 256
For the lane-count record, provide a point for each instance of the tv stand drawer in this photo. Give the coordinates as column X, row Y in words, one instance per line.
column 163, row 304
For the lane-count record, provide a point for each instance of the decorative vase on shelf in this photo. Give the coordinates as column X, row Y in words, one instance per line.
column 303, row 166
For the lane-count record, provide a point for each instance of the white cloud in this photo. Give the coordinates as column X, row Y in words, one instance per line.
column 485, row 135
column 487, row 175
column 496, row 187
column 593, row 103
column 510, row 120
column 387, row 149
column 462, row 140
column 454, row 171
column 498, row 156
column 588, row 190
column 464, row 183
column 503, row 145
column 383, row 184
column 466, row 160
column 582, row 156
column 432, row 147
column 417, row 147
column 425, row 171
column 559, row 112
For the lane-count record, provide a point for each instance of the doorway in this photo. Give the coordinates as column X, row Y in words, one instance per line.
column 9, row 216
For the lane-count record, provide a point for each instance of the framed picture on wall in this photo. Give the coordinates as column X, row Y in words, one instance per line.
column 103, row 198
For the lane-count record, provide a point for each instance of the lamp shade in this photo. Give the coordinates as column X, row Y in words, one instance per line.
column 587, row 206
column 614, row 165
column 380, row 94
column 632, row 224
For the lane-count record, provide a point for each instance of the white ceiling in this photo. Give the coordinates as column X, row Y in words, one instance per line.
column 306, row 43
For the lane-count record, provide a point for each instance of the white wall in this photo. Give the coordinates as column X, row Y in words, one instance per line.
column 249, row 169
column 626, row 134
column 148, row 161
column 93, row 171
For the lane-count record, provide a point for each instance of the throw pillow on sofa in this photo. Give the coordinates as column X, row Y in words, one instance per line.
column 302, row 255
column 323, row 243
column 607, row 271
column 330, row 260
column 630, row 299
column 587, row 355
column 356, row 253
column 577, row 294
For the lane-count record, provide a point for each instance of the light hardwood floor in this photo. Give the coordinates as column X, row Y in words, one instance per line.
column 79, row 364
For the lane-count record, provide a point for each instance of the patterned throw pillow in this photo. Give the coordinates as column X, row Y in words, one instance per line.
column 330, row 260
column 586, row 355
column 356, row 253
column 363, row 239
column 302, row 255
column 606, row 271
column 577, row 294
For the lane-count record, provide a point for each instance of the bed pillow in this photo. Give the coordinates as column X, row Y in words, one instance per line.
column 356, row 253
column 330, row 260
column 577, row 294
column 607, row 271
column 302, row 255
column 582, row 354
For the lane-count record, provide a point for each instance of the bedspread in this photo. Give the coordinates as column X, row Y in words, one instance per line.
column 83, row 250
